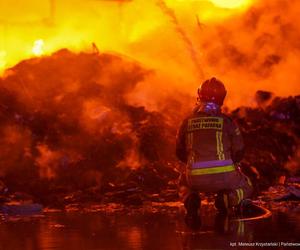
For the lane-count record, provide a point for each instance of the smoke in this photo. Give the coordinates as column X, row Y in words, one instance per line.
column 250, row 48
column 256, row 50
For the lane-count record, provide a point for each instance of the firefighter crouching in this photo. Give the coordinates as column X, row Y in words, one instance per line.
column 211, row 146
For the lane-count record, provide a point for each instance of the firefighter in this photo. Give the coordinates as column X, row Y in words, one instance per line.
column 211, row 146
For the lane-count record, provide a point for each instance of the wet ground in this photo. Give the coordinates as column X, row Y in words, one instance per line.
column 144, row 228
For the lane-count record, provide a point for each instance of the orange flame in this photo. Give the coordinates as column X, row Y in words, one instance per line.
column 38, row 47
column 75, row 24
column 199, row 39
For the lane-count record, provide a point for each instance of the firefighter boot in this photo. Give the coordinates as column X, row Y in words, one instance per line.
column 245, row 208
column 221, row 203
column 192, row 206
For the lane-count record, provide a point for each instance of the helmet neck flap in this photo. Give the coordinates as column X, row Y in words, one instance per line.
column 210, row 108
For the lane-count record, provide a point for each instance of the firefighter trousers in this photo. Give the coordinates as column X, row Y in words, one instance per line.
column 234, row 186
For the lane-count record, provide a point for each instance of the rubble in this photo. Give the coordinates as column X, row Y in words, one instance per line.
column 271, row 137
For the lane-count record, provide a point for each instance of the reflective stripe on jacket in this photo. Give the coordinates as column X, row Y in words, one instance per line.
column 209, row 140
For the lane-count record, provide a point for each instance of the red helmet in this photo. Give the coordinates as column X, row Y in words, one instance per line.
column 212, row 90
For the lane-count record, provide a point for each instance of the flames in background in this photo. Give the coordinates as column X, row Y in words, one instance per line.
column 250, row 44
column 90, row 113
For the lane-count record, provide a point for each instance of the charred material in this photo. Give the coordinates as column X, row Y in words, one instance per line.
column 271, row 135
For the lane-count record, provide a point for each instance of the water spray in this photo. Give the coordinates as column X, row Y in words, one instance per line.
column 183, row 35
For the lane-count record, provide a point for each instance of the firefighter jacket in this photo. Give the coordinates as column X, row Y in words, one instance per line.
column 209, row 138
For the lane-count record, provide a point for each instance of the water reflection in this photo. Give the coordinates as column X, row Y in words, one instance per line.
column 140, row 230
column 217, row 234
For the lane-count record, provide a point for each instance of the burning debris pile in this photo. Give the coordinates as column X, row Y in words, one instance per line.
column 66, row 125
column 69, row 134
column 271, row 134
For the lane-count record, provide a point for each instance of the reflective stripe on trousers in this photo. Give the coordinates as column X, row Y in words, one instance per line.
column 212, row 170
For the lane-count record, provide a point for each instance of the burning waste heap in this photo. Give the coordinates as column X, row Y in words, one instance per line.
column 66, row 126
column 69, row 134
